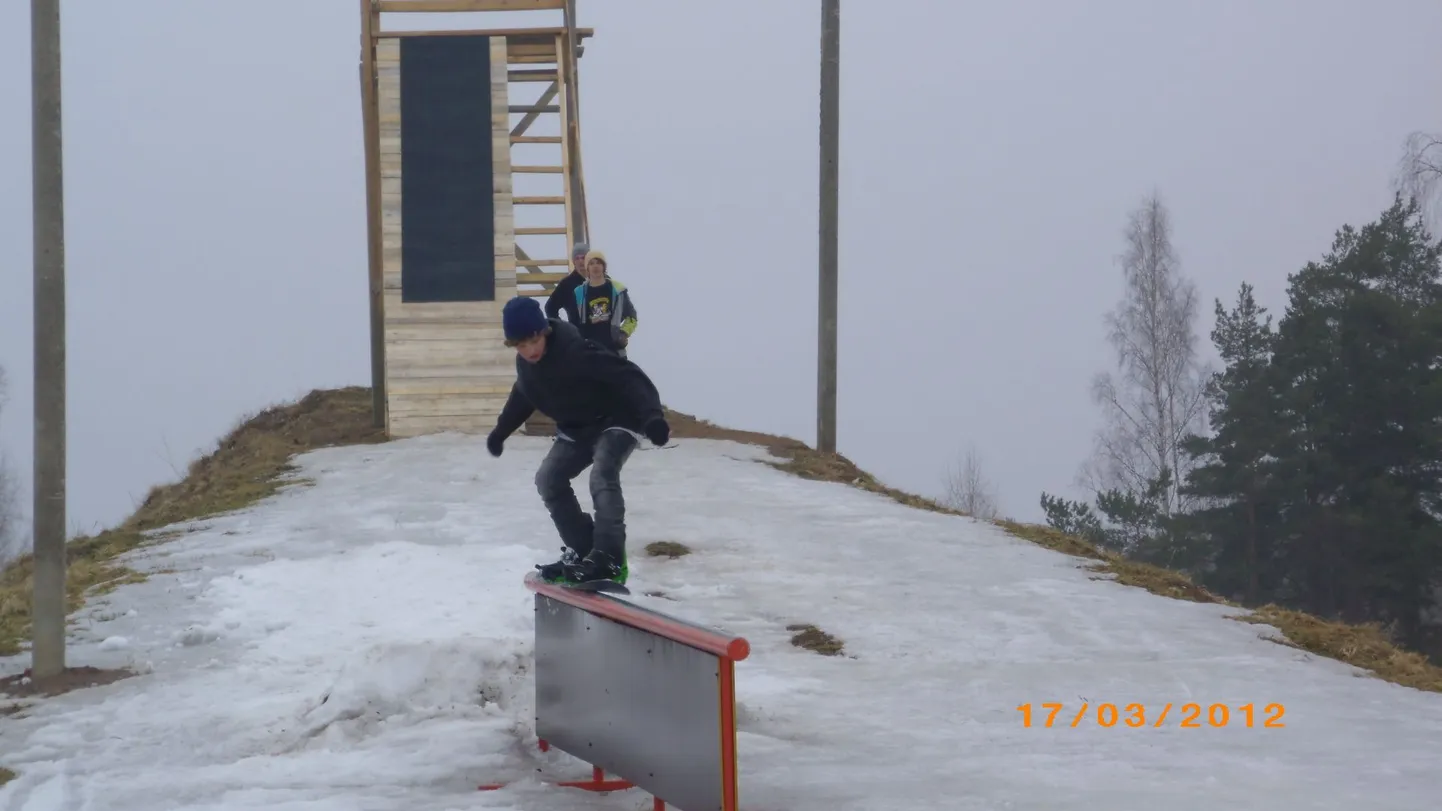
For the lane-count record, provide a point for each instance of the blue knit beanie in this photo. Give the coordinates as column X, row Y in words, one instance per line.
column 522, row 317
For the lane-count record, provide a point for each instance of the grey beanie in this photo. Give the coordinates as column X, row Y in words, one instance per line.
column 580, row 248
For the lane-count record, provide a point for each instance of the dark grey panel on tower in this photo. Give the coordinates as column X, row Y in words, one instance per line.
column 448, row 250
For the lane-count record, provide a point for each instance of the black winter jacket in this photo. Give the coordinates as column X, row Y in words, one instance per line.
column 582, row 386
column 563, row 299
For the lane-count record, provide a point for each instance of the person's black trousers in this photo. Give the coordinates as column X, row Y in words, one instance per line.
column 605, row 456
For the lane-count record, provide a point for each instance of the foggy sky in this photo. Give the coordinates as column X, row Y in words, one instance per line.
column 990, row 154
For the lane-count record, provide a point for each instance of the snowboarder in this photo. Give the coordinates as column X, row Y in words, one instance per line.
column 603, row 404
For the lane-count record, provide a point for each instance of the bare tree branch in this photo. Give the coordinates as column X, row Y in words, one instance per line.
column 1419, row 172
column 968, row 489
column 1157, row 397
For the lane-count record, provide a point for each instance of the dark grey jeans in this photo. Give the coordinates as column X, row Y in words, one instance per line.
column 605, row 456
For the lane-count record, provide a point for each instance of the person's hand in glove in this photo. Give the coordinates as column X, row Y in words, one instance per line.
column 658, row 431
column 495, row 443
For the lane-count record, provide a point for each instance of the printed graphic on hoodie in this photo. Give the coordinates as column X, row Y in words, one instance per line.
column 598, row 304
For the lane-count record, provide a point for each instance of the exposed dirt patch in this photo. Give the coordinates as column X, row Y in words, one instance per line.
column 667, row 549
column 6, row 775
column 72, row 678
column 245, row 467
column 809, row 637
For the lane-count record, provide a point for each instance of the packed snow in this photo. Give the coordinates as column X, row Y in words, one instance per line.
column 365, row 643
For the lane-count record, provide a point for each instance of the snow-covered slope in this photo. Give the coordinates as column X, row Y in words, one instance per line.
column 364, row 644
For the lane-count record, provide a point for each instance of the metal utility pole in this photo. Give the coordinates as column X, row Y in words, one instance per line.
column 48, row 213
column 826, row 320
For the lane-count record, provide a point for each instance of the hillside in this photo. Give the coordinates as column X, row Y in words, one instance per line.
column 360, row 639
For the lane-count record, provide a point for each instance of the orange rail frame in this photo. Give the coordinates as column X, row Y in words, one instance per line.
column 729, row 649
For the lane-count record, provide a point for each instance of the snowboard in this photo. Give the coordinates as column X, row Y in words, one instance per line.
column 605, row 586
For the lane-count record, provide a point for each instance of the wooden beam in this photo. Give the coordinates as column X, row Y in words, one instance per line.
column 533, row 113
column 538, row 108
column 518, row 50
column 539, row 201
column 534, row 230
column 535, row 139
column 415, row 6
column 526, row 59
column 523, row 259
column 370, row 117
column 537, row 170
column 523, row 35
column 540, row 278
column 532, row 75
column 573, row 235
column 580, row 220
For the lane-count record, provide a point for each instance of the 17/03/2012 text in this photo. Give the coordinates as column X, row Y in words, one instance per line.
column 1191, row 716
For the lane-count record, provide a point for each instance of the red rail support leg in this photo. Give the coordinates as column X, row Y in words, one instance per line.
column 598, row 783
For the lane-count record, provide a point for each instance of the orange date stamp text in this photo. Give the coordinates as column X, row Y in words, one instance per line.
column 1186, row 716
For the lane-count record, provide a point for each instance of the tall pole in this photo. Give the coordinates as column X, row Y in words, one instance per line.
column 370, row 120
column 48, row 213
column 826, row 320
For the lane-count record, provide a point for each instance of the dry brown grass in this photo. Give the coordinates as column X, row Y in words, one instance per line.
column 244, row 468
column 1366, row 647
column 809, row 637
column 667, row 549
column 6, row 775
column 1155, row 579
column 800, row 459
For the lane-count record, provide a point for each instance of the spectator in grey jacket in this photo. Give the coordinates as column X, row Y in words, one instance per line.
column 563, row 298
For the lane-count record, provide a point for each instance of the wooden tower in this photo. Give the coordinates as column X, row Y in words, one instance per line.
column 467, row 203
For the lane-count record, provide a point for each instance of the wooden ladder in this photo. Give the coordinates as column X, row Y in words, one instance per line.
column 543, row 245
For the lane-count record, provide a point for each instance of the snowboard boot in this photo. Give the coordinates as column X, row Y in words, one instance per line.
column 598, row 566
column 558, row 572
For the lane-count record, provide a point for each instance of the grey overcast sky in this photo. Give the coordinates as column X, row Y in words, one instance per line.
column 990, row 155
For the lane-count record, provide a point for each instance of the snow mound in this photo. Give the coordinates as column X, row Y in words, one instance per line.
column 395, row 685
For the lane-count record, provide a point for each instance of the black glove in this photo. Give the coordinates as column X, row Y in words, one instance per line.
column 658, row 431
column 495, row 443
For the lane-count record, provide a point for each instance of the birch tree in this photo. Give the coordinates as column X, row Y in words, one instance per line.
column 969, row 490
column 1155, row 398
column 1419, row 172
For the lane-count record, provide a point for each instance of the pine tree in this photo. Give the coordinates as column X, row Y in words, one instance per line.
column 1356, row 357
column 1233, row 477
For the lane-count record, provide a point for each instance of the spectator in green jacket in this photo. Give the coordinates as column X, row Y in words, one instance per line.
column 608, row 316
